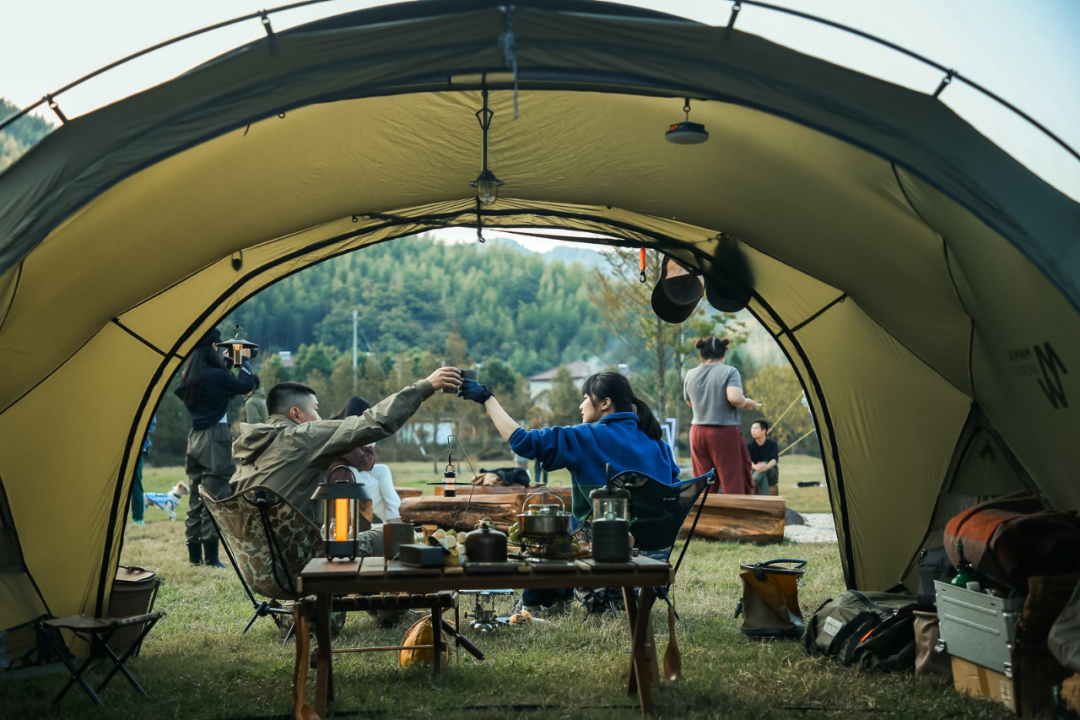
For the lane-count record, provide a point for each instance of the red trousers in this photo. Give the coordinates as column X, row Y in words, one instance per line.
column 722, row 447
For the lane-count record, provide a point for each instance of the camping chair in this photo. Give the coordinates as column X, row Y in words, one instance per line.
column 657, row 515
column 97, row 631
column 269, row 542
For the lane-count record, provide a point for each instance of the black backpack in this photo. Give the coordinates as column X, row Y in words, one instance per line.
column 874, row 630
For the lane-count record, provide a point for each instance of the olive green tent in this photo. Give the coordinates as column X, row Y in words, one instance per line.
column 923, row 283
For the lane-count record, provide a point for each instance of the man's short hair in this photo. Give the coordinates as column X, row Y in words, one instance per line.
column 283, row 397
column 763, row 424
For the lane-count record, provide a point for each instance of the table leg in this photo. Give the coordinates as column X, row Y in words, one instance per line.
column 436, row 639
column 630, row 601
column 303, row 649
column 324, row 667
column 642, row 650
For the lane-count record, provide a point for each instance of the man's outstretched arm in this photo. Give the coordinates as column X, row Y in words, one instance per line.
column 383, row 419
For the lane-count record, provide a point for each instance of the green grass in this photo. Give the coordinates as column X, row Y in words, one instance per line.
column 197, row 665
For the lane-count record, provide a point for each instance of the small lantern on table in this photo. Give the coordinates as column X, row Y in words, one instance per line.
column 345, row 518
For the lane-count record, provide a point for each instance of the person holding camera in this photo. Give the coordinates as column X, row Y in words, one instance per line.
column 206, row 386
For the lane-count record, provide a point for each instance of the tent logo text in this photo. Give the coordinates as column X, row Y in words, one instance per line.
column 1042, row 360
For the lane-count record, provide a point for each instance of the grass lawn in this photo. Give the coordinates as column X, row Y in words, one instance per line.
column 197, row 665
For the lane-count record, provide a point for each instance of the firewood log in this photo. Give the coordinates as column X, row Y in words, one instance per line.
column 743, row 518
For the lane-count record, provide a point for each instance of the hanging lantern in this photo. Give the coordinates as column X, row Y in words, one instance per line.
column 344, row 516
column 686, row 132
column 237, row 346
column 486, row 184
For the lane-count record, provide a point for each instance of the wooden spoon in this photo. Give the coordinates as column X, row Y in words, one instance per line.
column 672, row 656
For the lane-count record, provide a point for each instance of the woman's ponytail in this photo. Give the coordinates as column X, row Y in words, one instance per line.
column 615, row 386
column 646, row 421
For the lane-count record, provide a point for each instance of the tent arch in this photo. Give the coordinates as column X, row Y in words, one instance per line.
column 156, row 193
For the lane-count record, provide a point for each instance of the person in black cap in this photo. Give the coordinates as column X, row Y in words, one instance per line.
column 206, row 385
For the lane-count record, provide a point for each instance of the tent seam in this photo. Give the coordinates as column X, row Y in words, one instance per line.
column 140, row 338
column 14, row 292
column 816, row 315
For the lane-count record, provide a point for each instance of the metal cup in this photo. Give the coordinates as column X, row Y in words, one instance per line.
column 470, row 374
column 394, row 536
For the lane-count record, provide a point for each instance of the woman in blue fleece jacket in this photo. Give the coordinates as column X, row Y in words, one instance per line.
column 611, row 433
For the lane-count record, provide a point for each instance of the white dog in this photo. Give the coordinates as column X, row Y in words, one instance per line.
column 167, row 501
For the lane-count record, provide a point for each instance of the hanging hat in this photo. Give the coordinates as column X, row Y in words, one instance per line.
column 211, row 338
column 728, row 283
column 725, row 296
column 677, row 292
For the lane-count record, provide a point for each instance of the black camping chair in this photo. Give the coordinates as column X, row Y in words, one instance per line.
column 657, row 515
column 96, row 631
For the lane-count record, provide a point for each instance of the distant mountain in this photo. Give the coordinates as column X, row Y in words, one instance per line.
column 587, row 257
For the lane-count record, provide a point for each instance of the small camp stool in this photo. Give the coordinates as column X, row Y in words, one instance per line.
column 97, row 632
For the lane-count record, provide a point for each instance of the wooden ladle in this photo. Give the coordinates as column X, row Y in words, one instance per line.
column 672, row 656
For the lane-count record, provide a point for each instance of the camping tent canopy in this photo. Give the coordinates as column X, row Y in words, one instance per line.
column 923, row 283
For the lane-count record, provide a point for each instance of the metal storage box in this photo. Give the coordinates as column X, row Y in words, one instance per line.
column 977, row 627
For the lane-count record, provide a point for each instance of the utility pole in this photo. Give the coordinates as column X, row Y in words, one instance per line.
column 355, row 354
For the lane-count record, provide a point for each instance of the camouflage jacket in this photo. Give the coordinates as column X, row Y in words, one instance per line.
column 291, row 458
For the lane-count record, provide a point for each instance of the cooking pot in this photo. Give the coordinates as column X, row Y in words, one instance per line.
column 485, row 544
column 544, row 520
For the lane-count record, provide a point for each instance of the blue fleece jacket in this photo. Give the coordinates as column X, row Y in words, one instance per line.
column 585, row 449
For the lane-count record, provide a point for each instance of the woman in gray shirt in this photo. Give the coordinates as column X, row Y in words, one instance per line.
column 714, row 391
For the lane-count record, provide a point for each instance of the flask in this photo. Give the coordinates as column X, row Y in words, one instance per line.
column 964, row 573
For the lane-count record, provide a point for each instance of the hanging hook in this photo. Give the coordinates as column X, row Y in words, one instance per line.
column 686, row 109
column 641, row 265
column 945, row 82
column 479, row 222
column 55, row 107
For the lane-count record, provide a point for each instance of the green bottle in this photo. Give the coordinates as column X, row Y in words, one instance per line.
column 964, row 575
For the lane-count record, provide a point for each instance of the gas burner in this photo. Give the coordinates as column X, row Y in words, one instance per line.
column 484, row 617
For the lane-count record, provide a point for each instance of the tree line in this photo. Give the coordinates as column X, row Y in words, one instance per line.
column 21, row 135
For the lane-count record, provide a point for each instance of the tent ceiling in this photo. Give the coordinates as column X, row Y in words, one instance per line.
column 903, row 262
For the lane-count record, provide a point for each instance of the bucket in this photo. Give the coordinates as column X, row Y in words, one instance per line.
column 133, row 593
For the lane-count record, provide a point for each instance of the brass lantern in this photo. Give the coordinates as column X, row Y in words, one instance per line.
column 347, row 514
column 237, row 346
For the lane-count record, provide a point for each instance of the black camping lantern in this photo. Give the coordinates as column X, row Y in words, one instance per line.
column 486, row 184
column 686, row 132
column 345, row 505
column 237, row 346
column 611, row 524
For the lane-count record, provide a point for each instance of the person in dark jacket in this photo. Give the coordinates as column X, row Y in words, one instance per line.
column 206, row 386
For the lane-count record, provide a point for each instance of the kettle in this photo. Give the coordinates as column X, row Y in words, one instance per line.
column 485, row 544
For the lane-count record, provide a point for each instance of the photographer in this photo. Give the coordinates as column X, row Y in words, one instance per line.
column 206, row 386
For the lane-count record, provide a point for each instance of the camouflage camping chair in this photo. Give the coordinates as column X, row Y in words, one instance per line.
column 268, row 542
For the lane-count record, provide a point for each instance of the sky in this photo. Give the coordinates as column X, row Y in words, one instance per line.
column 1028, row 53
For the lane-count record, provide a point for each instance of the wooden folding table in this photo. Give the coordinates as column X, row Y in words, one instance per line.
column 321, row 580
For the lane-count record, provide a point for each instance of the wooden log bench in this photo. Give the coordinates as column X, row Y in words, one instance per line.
column 502, row 506
column 743, row 518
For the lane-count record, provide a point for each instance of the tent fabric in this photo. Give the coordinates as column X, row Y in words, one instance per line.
column 907, row 266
